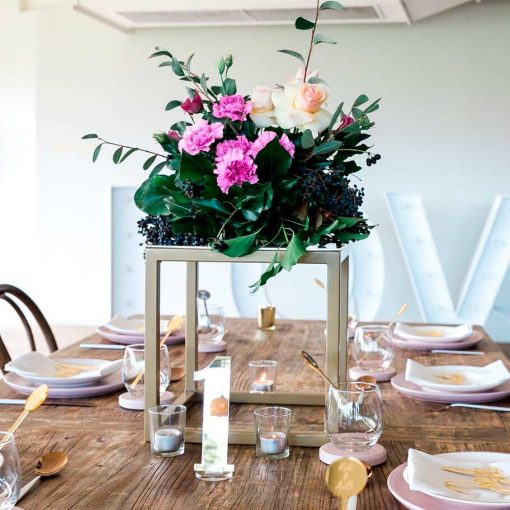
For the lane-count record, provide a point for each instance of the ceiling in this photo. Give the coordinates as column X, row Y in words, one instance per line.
column 129, row 15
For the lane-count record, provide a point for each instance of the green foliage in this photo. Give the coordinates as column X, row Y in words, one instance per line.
column 240, row 246
column 304, row 24
column 294, row 54
column 173, row 104
column 321, row 38
column 331, row 4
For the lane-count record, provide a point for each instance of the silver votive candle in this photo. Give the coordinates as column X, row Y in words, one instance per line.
column 262, row 375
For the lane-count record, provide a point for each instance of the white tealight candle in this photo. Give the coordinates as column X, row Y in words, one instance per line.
column 273, row 443
column 262, row 384
column 167, row 440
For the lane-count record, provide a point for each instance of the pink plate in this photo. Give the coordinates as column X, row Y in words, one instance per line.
column 118, row 338
column 414, row 345
column 109, row 384
column 416, row 500
column 408, row 388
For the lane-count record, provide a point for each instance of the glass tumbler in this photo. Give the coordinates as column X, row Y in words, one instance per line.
column 372, row 348
column 272, row 426
column 263, row 375
column 211, row 322
column 167, row 425
column 354, row 416
column 10, row 471
column 133, row 369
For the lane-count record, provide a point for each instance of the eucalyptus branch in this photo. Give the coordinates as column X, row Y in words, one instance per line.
column 135, row 148
column 311, row 40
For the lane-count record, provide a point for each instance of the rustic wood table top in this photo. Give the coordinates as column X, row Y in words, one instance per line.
column 111, row 467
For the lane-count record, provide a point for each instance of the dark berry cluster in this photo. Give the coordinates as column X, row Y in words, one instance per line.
column 191, row 190
column 157, row 230
column 372, row 160
column 332, row 193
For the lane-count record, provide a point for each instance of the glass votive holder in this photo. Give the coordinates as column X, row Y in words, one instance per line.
column 167, row 424
column 354, row 416
column 372, row 348
column 211, row 322
column 133, row 370
column 263, row 376
column 272, row 426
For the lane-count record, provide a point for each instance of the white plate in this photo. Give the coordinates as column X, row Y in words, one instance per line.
column 477, row 379
column 82, row 379
column 483, row 458
column 132, row 327
column 433, row 332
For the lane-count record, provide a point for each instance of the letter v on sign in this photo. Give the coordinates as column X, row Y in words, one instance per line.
column 486, row 272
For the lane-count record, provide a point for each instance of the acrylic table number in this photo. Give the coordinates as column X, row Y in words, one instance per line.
column 215, row 425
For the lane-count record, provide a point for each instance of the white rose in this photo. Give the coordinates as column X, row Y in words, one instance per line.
column 262, row 112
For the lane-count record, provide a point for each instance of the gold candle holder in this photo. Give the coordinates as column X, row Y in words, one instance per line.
column 266, row 318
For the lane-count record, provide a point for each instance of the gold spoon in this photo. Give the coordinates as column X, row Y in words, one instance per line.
column 312, row 363
column 48, row 465
column 33, row 402
column 174, row 324
column 346, row 477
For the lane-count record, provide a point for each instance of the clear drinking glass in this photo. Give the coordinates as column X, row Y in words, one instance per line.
column 211, row 322
column 272, row 426
column 353, row 316
column 263, row 375
column 134, row 364
column 371, row 348
column 354, row 416
column 10, row 471
column 167, row 425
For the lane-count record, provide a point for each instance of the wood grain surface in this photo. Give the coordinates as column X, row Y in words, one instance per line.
column 111, row 467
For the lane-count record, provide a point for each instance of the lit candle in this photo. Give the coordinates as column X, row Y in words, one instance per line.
column 273, row 443
column 262, row 383
column 167, row 440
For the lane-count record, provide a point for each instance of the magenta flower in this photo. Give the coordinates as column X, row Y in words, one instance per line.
column 173, row 135
column 200, row 136
column 265, row 137
column 347, row 120
column 234, row 165
column 232, row 107
column 194, row 105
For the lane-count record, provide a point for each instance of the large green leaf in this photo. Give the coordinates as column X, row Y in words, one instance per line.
column 195, row 168
column 273, row 161
column 240, row 246
column 303, row 24
column 154, row 195
column 327, row 147
column 295, row 250
column 211, row 204
column 254, row 199
column 229, row 87
column 271, row 270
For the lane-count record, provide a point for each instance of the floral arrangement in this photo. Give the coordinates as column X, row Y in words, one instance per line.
column 269, row 169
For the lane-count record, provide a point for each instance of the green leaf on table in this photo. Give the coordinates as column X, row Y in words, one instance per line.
column 240, row 246
column 155, row 194
column 127, row 154
column 331, row 4
column 148, row 162
column 324, row 39
column 327, row 148
column 229, row 87
column 96, row 152
column 173, row 104
column 117, row 155
column 303, row 23
column 293, row 53
column 295, row 250
column 360, row 100
column 273, row 161
column 307, row 140
column 89, row 136
column 195, row 168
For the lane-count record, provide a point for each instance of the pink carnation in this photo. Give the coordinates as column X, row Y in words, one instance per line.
column 265, row 137
column 232, row 107
column 200, row 136
column 234, row 165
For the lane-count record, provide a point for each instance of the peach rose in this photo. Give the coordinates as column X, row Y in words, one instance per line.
column 310, row 97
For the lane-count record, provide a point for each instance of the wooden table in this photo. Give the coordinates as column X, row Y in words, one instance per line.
column 111, row 467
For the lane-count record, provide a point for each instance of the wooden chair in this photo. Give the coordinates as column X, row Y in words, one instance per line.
column 13, row 295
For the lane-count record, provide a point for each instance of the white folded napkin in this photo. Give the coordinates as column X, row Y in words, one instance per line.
column 424, row 473
column 132, row 327
column 33, row 364
column 457, row 378
column 433, row 333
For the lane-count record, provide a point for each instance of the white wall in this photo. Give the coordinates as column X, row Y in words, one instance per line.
column 443, row 129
